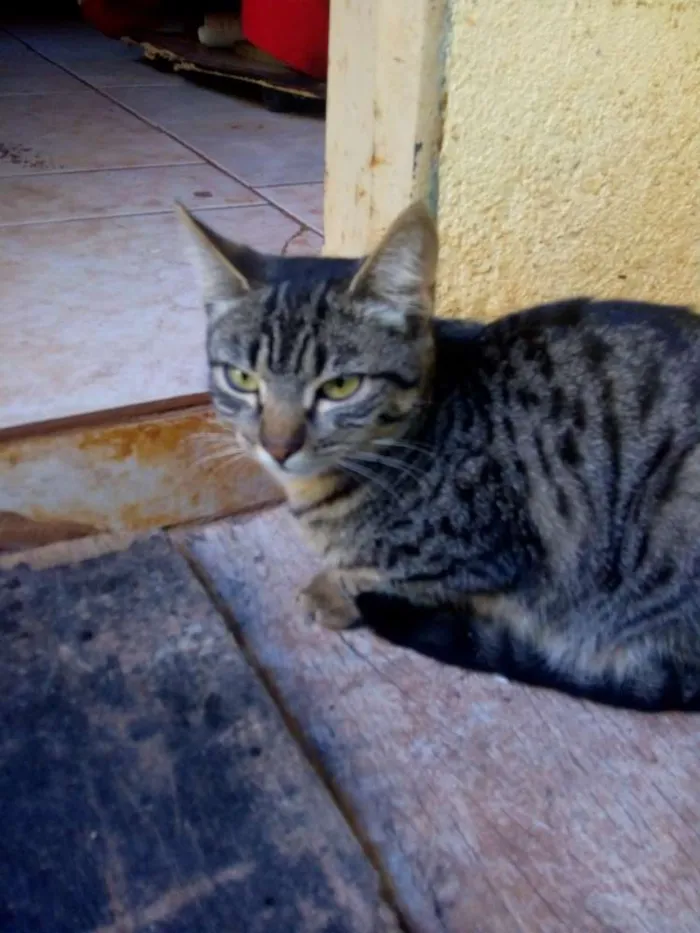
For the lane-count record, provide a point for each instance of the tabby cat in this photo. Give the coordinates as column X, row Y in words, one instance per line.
column 520, row 497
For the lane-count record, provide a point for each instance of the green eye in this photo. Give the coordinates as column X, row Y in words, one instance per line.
column 241, row 380
column 341, row 388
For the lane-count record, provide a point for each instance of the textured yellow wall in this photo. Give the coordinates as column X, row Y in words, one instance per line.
column 571, row 153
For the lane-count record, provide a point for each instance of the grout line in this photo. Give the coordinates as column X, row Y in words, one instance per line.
column 127, row 87
column 92, row 171
column 23, row 94
column 135, row 213
column 157, row 126
column 288, row 184
column 80, row 171
column 67, row 93
column 308, row 224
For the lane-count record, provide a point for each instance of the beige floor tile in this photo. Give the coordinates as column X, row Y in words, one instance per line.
column 264, row 157
column 304, row 243
column 101, row 314
column 28, row 73
column 115, row 65
column 121, row 72
column 259, row 147
column 77, row 131
column 73, row 195
column 265, row 229
column 10, row 47
column 64, row 40
column 100, row 61
column 187, row 104
column 305, row 202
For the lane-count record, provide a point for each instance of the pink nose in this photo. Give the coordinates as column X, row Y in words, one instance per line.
column 281, row 446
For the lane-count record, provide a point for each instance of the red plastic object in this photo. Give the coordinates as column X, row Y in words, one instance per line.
column 293, row 31
column 117, row 18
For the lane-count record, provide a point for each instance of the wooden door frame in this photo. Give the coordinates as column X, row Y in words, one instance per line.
column 384, row 115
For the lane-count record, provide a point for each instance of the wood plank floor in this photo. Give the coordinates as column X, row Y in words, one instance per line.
column 492, row 807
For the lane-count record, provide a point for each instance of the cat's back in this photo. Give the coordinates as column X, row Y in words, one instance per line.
column 576, row 397
column 618, row 323
column 577, row 344
column 616, row 330
column 579, row 326
column 640, row 359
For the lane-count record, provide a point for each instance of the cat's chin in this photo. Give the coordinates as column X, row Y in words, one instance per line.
column 291, row 470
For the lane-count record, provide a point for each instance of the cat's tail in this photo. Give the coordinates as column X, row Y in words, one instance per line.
column 448, row 637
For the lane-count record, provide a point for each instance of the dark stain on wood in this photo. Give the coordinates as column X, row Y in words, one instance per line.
column 19, row 532
column 147, row 782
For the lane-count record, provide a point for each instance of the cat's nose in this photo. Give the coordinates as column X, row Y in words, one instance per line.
column 281, row 444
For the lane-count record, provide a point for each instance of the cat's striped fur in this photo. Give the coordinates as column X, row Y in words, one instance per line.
column 521, row 497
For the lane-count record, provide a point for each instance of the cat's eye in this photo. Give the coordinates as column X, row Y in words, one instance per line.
column 340, row 388
column 241, row 380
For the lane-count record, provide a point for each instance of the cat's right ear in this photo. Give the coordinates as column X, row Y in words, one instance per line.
column 226, row 269
column 398, row 278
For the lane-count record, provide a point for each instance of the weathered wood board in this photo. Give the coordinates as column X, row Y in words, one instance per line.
column 147, row 781
column 384, row 116
column 122, row 474
column 494, row 808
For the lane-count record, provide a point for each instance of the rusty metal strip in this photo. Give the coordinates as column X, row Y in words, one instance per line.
column 143, row 473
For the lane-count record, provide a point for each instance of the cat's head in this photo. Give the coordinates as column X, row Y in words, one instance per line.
column 315, row 359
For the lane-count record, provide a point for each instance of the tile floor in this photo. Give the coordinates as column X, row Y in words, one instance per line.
column 98, row 308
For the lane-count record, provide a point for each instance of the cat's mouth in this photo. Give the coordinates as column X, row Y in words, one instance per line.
column 300, row 465
column 305, row 463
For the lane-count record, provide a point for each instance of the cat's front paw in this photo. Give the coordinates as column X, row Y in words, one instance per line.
column 325, row 603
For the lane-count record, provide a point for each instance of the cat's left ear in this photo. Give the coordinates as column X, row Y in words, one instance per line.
column 227, row 270
column 398, row 277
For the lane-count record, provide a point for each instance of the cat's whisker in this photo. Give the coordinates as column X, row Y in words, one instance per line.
column 216, row 452
column 217, row 430
column 401, row 442
column 208, row 445
column 368, row 476
column 423, row 450
column 224, row 437
column 213, row 465
column 219, row 434
column 391, row 463
column 219, row 457
column 210, row 456
column 212, row 468
column 215, row 444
